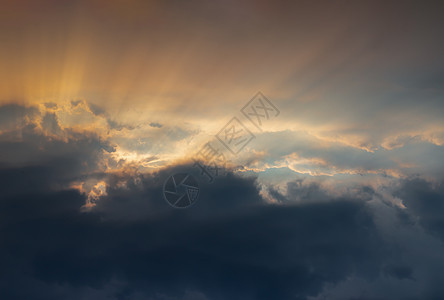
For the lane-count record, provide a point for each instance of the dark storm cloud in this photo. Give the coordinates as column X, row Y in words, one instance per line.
column 247, row 252
column 229, row 245
column 312, row 192
column 138, row 196
column 424, row 200
column 34, row 148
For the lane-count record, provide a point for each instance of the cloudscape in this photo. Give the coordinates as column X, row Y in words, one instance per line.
column 205, row 150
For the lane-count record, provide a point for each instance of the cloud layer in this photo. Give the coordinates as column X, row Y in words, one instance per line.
column 313, row 242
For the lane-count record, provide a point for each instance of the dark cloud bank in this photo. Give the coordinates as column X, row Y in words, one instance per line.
column 229, row 245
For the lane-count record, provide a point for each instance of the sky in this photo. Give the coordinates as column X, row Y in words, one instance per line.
column 335, row 190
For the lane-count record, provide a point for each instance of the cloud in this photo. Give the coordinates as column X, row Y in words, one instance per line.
column 231, row 244
column 425, row 201
column 13, row 116
column 280, row 251
column 156, row 125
